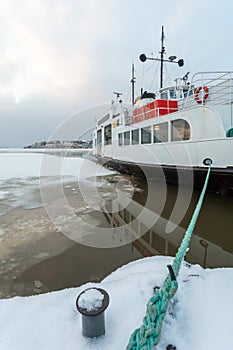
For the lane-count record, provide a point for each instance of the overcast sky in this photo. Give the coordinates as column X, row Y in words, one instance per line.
column 60, row 57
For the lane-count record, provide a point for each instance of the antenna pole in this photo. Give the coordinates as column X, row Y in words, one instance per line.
column 133, row 83
column 162, row 58
column 172, row 59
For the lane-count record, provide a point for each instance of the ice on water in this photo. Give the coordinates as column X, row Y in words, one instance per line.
column 22, row 175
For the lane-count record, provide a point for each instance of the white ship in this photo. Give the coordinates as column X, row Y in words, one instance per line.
column 175, row 133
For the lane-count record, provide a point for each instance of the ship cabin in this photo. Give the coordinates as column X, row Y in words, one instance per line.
column 176, row 113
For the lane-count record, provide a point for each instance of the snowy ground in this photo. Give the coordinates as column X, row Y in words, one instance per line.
column 200, row 316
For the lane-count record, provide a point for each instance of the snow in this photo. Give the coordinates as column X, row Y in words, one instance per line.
column 90, row 299
column 200, row 314
column 199, row 317
column 24, row 165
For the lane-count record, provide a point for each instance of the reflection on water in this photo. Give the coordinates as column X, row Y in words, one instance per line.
column 212, row 241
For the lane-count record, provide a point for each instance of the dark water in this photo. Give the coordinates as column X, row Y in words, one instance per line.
column 212, row 241
column 71, row 264
column 77, row 265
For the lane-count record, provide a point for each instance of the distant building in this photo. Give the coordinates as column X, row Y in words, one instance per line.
column 57, row 144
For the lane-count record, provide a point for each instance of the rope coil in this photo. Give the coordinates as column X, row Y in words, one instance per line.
column 148, row 335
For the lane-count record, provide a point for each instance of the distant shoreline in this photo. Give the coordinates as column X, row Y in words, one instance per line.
column 53, row 151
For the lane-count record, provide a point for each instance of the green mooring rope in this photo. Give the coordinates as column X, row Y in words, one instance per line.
column 148, row 335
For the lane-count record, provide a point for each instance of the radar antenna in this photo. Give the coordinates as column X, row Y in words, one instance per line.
column 118, row 94
column 171, row 59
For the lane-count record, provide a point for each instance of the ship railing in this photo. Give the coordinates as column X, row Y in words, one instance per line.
column 219, row 92
column 215, row 88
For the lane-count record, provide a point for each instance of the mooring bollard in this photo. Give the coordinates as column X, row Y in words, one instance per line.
column 91, row 304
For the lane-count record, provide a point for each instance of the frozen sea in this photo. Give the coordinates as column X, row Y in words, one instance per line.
column 22, row 175
column 43, row 200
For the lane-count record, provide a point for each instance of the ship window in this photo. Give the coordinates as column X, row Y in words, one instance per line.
column 135, row 137
column 108, row 134
column 127, row 138
column 120, row 139
column 146, row 135
column 160, row 132
column 186, row 91
column 99, row 137
column 180, row 130
column 164, row 95
column 172, row 94
column 115, row 123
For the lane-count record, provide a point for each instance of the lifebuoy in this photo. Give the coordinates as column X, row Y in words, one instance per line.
column 205, row 96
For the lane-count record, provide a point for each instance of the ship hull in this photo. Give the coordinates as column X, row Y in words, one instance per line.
column 220, row 182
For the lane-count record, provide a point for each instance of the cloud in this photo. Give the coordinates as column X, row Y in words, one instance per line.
column 71, row 50
column 68, row 55
column 48, row 47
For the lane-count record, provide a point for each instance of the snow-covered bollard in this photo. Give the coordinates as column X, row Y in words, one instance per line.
column 92, row 303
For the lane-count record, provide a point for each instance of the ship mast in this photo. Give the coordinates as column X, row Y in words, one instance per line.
column 162, row 58
column 133, row 83
column 171, row 59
